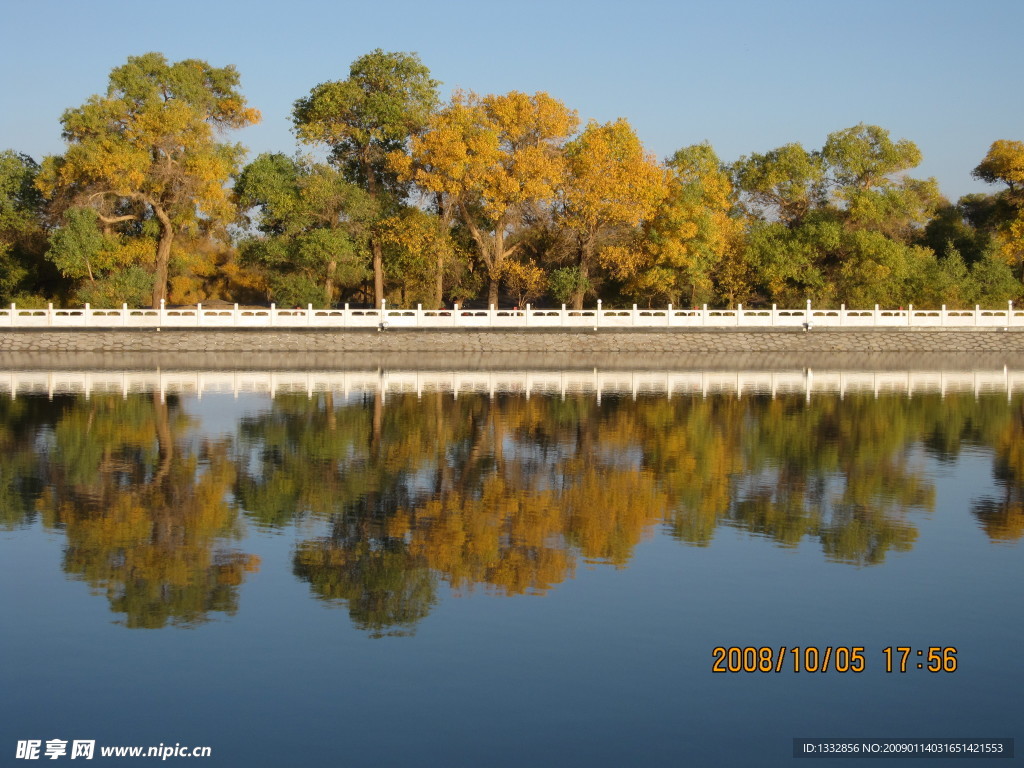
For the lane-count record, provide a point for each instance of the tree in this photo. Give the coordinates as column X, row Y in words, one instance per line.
column 145, row 507
column 102, row 263
column 611, row 186
column 149, row 149
column 1005, row 163
column 783, row 184
column 691, row 233
column 490, row 159
column 864, row 157
column 314, row 227
column 423, row 257
column 22, row 232
column 387, row 98
column 839, row 225
column 524, row 279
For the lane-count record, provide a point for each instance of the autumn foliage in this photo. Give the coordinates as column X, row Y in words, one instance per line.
column 486, row 198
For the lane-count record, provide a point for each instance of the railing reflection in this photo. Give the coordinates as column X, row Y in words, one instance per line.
column 668, row 383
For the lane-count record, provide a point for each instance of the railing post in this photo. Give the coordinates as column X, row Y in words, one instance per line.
column 344, row 317
column 273, row 311
column 124, row 313
column 85, row 316
column 739, row 315
column 910, row 314
column 704, row 315
column 977, row 313
column 1009, row 313
column 490, row 315
column 807, row 316
column 528, row 315
column 199, row 314
column 49, row 313
column 875, row 317
column 668, row 316
column 419, row 314
column 942, row 315
column 597, row 320
column 12, row 317
column 161, row 317
column 775, row 309
column 842, row 313
column 234, row 317
column 632, row 317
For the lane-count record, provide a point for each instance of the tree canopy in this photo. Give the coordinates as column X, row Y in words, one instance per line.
column 150, row 147
column 387, row 99
column 500, row 198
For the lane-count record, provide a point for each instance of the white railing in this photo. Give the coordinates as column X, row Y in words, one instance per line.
column 665, row 383
column 390, row 318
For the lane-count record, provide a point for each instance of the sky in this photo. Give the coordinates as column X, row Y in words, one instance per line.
column 744, row 75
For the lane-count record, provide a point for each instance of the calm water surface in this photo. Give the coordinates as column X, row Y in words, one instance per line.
column 413, row 579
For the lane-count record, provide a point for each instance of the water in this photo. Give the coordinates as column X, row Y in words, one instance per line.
column 522, row 571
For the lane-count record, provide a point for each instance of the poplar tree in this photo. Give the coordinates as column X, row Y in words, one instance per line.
column 149, row 149
column 387, row 98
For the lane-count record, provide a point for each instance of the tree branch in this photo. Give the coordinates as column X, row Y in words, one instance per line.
column 116, row 219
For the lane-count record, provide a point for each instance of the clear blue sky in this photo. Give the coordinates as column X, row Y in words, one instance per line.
column 746, row 75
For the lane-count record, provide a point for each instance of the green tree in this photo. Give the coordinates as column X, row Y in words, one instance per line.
column 314, row 228
column 387, row 98
column 840, row 225
column 783, row 184
column 102, row 263
column 148, row 150
column 22, row 230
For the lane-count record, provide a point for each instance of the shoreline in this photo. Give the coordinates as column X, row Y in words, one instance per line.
column 562, row 343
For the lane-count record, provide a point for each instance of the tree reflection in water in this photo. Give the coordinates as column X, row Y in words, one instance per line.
column 146, row 514
column 506, row 494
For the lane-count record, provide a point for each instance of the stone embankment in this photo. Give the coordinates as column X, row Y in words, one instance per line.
column 635, row 342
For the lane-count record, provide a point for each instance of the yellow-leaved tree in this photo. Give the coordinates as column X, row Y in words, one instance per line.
column 1004, row 163
column 611, row 187
column 489, row 159
column 148, row 152
column 423, row 256
column 690, row 236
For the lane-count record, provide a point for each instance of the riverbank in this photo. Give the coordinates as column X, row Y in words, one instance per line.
column 562, row 342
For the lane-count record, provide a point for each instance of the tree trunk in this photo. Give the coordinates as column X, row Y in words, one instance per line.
column 329, row 284
column 375, row 247
column 332, row 420
column 497, row 261
column 439, row 283
column 586, row 248
column 164, row 439
column 580, row 292
column 163, row 256
column 378, row 271
column 447, row 210
column 377, row 422
column 492, row 293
